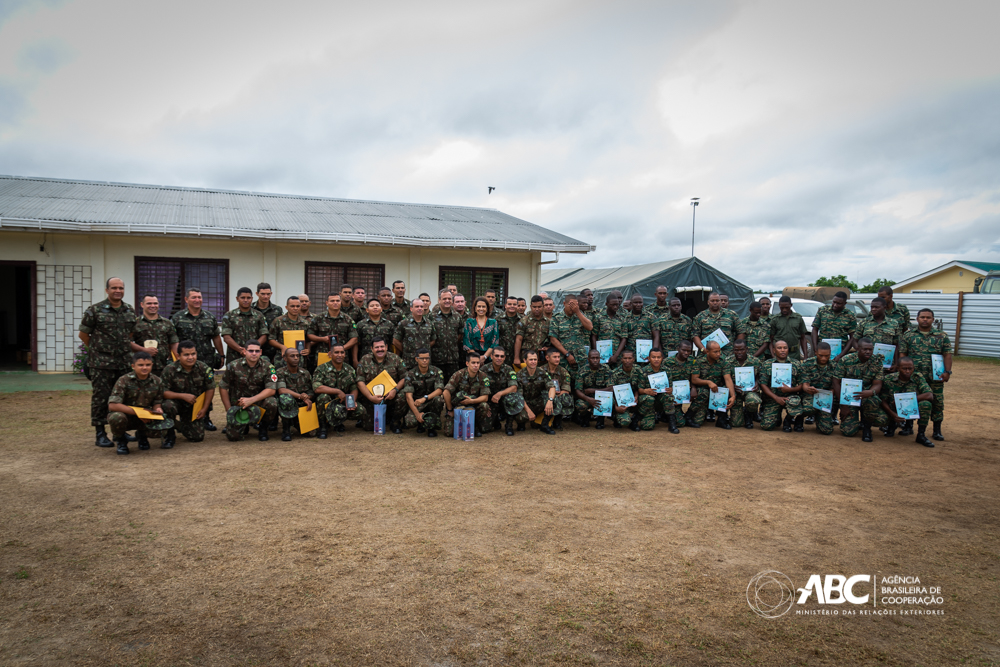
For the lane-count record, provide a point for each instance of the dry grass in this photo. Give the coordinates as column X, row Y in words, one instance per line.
column 591, row 547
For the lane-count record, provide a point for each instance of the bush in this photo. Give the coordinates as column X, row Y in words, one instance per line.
column 80, row 359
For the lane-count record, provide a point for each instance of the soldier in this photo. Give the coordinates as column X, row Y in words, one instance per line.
column 654, row 406
column 508, row 326
column 470, row 389
column 562, row 380
column 139, row 389
column 817, row 372
column 183, row 382
column 247, row 389
column 491, row 298
column 611, row 326
column 290, row 321
column 626, row 373
column 595, row 377
column 919, row 344
column 448, row 329
column 532, row 333
column 834, row 321
column 370, row 366
column 765, row 312
column 295, row 392
column 755, row 332
column 155, row 331
column 682, row 366
column 400, row 303
column 522, row 306
column 506, row 402
column 791, row 328
column 198, row 325
column 707, row 321
column 360, row 305
column 879, row 329
column 375, row 324
column 538, row 391
column 748, row 401
column 106, row 331
column 423, row 387
column 903, row 381
column 242, row 323
column 569, row 334
column 673, row 327
column 413, row 333
column 661, row 306
column 641, row 326
column 389, row 313
column 335, row 386
column 460, row 306
column 549, row 308
column 331, row 327
column 713, row 370
column 866, row 366
column 586, row 300
column 270, row 311
column 897, row 312
column 786, row 398
column 304, row 304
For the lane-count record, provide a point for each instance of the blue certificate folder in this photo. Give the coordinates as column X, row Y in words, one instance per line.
column 604, row 399
column 823, row 400
column 744, row 378
column 604, row 347
column 682, row 391
column 887, row 352
column 848, row 387
column 718, row 400
column 836, row 345
column 906, row 405
column 716, row 336
column 781, row 375
column 623, row 395
column 659, row 382
column 937, row 367
column 642, row 348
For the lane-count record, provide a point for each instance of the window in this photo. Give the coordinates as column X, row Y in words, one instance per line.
column 323, row 278
column 473, row 282
column 169, row 279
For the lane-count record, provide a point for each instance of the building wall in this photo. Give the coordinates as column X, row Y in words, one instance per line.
column 950, row 281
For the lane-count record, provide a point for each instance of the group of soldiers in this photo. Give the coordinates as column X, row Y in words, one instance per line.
column 543, row 368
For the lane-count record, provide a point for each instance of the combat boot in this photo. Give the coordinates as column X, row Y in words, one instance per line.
column 599, row 423
column 557, row 423
column 748, row 420
column 722, row 421
column 262, row 433
column 799, row 428
column 890, row 430
column 286, row 429
column 866, row 432
column 634, row 425
column 508, row 426
column 102, row 439
column 691, row 421
column 672, row 424
column 922, row 437
column 143, row 441
column 169, row 439
column 322, row 432
column 544, row 426
column 937, row 431
column 431, row 433
column 122, row 444
column 710, row 417
column 786, row 424
column 907, row 428
column 209, row 426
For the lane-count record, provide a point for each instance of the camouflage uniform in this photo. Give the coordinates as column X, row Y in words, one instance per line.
column 201, row 330
column 639, row 327
column 535, row 388
column 650, row 406
column 403, row 309
column 108, row 353
column 770, row 411
column 886, row 331
column 569, row 331
column 589, row 378
column 423, row 384
column 891, row 384
column 757, row 333
column 447, row 351
column 461, row 387
column 621, row 376
column 828, row 324
column 534, row 336
column 162, row 331
column 868, row 372
column 284, row 323
column 341, row 328
column 789, row 328
column 368, row 330
column 332, row 411
column 508, row 332
column 242, row 381
column 683, row 370
column 820, row 377
column 511, row 405
column 706, row 322
column 368, row 370
column 900, row 314
column 714, row 372
column 673, row 331
column 611, row 328
column 414, row 335
column 657, row 312
column 562, row 379
column 250, row 325
column 197, row 381
column 271, row 313
column 919, row 346
column 353, row 312
column 300, row 383
column 130, row 390
column 746, row 401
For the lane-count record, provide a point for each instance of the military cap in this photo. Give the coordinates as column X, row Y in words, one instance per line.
column 287, row 407
column 237, row 416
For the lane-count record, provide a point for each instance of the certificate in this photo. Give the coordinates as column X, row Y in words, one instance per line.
column 744, row 378
column 836, row 345
column 659, row 382
column 823, row 400
column 781, row 375
column 671, row 353
column 624, row 395
column 604, row 399
column 718, row 400
column 604, row 347
column 849, row 387
column 289, row 339
column 381, row 384
column 906, row 405
column 308, row 419
column 143, row 413
column 682, row 391
column 642, row 348
column 322, row 358
column 199, row 403
column 937, row 367
column 887, row 352
column 716, row 336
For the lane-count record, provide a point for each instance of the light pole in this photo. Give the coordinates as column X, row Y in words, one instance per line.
column 694, row 208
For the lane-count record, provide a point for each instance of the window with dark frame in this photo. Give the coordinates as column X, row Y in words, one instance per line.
column 474, row 281
column 169, row 279
column 323, row 278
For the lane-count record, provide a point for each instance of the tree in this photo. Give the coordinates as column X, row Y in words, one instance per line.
column 877, row 285
column 835, row 281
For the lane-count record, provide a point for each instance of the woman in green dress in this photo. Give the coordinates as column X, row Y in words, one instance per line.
column 481, row 332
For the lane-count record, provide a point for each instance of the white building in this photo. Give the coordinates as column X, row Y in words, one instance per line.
column 60, row 240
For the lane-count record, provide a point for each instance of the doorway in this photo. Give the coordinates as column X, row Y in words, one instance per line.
column 17, row 316
column 694, row 299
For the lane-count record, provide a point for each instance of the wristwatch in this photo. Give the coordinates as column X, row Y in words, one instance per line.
column 425, row 397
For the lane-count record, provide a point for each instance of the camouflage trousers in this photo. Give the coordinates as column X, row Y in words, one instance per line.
column 334, row 413
column 926, row 410
column 270, row 407
column 649, row 406
column 824, row 420
column 395, row 410
column 937, row 408
column 699, row 405
column 745, row 402
column 180, row 412
column 121, row 422
column 562, row 406
column 501, row 413
column 430, row 409
column 484, row 419
column 770, row 412
column 872, row 412
column 625, row 418
column 103, row 381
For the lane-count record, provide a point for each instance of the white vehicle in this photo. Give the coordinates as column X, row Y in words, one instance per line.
column 804, row 307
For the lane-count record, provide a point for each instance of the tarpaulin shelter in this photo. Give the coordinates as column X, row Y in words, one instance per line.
column 689, row 279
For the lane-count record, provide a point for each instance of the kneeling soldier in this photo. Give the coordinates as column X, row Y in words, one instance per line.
column 183, row 381
column 712, row 371
column 506, row 401
column 817, row 373
column 781, row 398
column 141, row 389
column 905, row 380
column 562, row 404
column 654, row 406
column 626, row 373
column 594, row 377
column 748, row 401
column 247, row 388
column 682, row 366
column 295, row 392
column 422, row 390
column 335, row 386
column 469, row 389
column 537, row 389
column 866, row 366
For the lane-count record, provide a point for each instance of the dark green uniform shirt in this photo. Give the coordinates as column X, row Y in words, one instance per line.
column 271, row 313
column 886, row 331
column 534, row 388
column 868, row 372
column 901, row 315
column 590, row 378
column 462, row 386
column 327, row 376
column 196, row 381
column 201, row 330
column 110, row 332
column 250, row 325
column 242, row 381
column 130, row 390
column 569, row 331
column 299, row 382
column 341, row 328
column 757, row 333
column 508, row 331
column 448, row 331
column 422, row 384
column 163, row 332
column 706, row 322
column 819, row 377
column 368, row 329
column 369, row 367
column 919, row 346
column 674, row 330
column 534, row 334
column 414, row 335
column 828, row 324
column 500, row 379
column 892, row 384
column 788, row 328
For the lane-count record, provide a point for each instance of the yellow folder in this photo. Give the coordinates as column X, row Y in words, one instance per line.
column 321, row 358
column 143, row 413
column 173, row 355
column 199, row 403
column 291, row 336
column 381, row 385
column 308, row 419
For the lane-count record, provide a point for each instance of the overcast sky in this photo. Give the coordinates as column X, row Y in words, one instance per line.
column 851, row 137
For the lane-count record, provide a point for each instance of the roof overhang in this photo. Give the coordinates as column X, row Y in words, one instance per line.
column 927, row 274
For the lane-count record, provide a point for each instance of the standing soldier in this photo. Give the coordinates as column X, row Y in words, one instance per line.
column 673, row 327
column 834, row 321
column 335, row 386
column 270, row 311
column 331, row 327
column 413, row 333
column 724, row 298
column 817, row 372
column 522, row 306
column 903, row 381
column 654, row 406
column 713, row 370
column 469, row 388
column 183, row 382
column 626, row 373
column 919, row 344
column 682, row 366
column 748, row 401
column 247, row 389
column 549, row 308
column 879, row 329
column 106, row 331
column 791, row 328
column 569, row 333
column 448, row 330
column 866, row 366
column 505, row 401
column 375, row 324
column 241, row 324
column 898, row 312
column 198, row 325
column 290, row 321
column 305, row 303
column 295, row 391
column 661, row 306
column 388, row 311
column 784, row 398
column 508, row 326
column 756, row 332
column 370, row 366
column 423, row 387
column 641, row 326
column 157, row 332
column 538, row 391
column 765, row 310
column 595, row 377
column 532, row 333
column 707, row 321
column 139, row 389
column 611, row 326
column 360, row 305
column 400, row 303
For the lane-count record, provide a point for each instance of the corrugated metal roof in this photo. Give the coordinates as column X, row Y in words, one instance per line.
column 125, row 208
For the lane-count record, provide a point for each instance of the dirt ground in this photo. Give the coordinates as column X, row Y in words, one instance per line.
column 590, row 547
